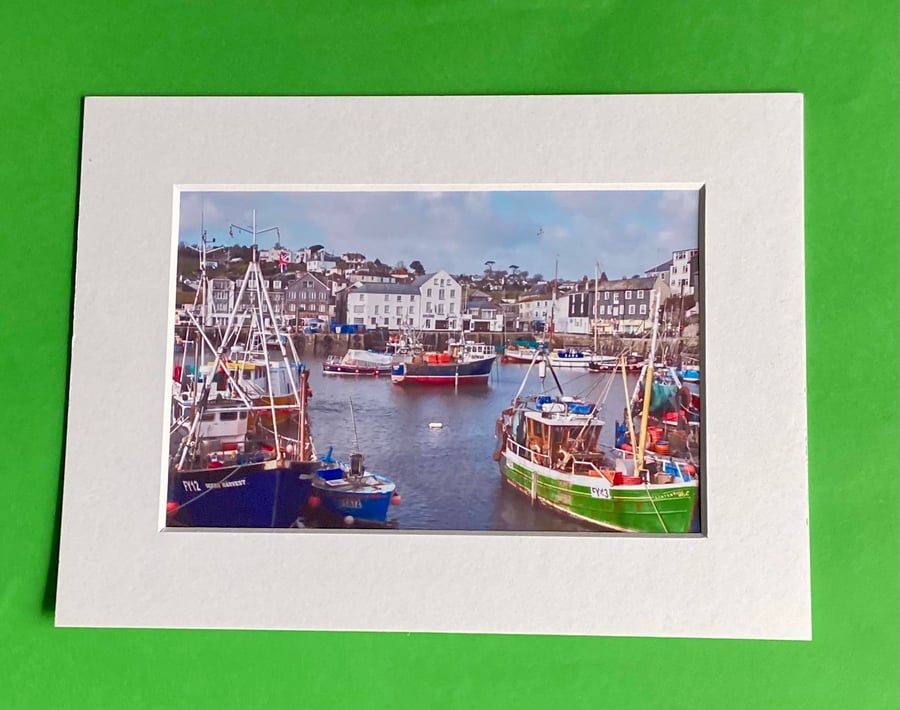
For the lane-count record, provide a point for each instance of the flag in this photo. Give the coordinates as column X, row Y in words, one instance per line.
column 282, row 262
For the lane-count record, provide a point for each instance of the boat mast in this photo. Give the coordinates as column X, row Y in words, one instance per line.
column 648, row 387
column 553, row 302
column 596, row 302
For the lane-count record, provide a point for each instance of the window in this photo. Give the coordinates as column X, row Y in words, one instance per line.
column 602, row 310
column 398, row 321
column 428, row 293
column 373, row 321
column 411, row 310
column 628, row 295
column 427, row 324
column 428, row 307
column 359, row 309
column 412, row 298
column 387, row 321
column 606, row 295
column 640, row 294
column 440, row 309
column 442, row 282
column 361, row 297
column 631, row 309
column 301, row 307
column 399, row 298
column 684, row 269
column 615, row 298
column 228, row 416
column 441, row 295
column 643, row 309
column 452, row 308
column 376, row 310
column 387, row 297
column 452, row 293
column 276, row 284
column 387, row 308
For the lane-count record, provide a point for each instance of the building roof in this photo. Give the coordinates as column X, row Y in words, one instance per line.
column 393, row 288
column 665, row 266
column 308, row 274
column 482, row 304
column 641, row 283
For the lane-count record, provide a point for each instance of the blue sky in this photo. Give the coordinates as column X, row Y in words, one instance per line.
column 627, row 232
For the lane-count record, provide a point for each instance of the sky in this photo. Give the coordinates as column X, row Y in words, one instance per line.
column 626, row 232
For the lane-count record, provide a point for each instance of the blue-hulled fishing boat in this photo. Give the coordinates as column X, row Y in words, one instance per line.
column 240, row 458
column 350, row 492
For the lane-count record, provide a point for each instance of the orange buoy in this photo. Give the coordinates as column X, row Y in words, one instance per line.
column 662, row 447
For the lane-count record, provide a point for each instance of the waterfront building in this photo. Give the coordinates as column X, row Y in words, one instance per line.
column 220, row 296
column 308, row 296
column 481, row 314
column 624, row 305
column 430, row 302
column 663, row 271
column 685, row 264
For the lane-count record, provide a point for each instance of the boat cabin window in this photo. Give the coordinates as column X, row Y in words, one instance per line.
column 246, row 374
column 243, row 415
column 208, row 417
column 228, row 416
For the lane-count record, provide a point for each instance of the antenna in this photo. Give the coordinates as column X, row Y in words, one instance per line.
column 355, row 435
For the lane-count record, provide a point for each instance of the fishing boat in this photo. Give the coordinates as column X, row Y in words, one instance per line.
column 549, row 450
column 576, row 357
column 521, row 352
column 359, row 362
column 230, row 467
column 348, row 489
column 464, row 362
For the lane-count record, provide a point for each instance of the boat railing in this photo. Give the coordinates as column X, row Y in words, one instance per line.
column 534, row 455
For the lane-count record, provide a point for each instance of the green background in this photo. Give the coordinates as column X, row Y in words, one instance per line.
column 842, row 56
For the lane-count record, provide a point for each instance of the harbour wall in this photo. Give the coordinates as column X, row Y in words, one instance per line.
column 325, row 344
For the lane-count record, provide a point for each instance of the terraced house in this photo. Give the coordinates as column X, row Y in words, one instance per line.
column 308, row 296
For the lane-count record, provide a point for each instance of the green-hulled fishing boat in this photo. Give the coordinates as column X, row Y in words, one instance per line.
column 549, row 450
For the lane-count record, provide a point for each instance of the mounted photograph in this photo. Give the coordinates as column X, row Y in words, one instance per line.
column 472, row 360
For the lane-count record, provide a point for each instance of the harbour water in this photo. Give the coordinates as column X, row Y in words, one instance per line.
column 446, row 477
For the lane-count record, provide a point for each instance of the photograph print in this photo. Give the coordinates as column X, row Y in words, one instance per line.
column 451, row 360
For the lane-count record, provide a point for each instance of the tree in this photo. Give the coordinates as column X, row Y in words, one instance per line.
column 490, row 265
column 417, row 267
column 513, row 269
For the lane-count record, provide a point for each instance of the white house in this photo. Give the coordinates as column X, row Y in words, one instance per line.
column 431, row 302
column 681, row 276
column 321, row 263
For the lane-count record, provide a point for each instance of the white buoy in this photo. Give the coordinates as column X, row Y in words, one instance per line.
column 348, row 520
column 435, row 425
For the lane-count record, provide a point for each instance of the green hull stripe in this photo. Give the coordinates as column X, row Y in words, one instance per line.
column 629, row 508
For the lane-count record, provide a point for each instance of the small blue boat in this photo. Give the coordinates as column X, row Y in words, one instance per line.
column 347, row 489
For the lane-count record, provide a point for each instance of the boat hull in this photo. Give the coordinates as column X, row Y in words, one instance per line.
column 338, row 369
column 476, row 372
column 255, row 495
column 665, row 508
column 364, row 507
